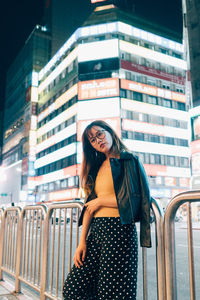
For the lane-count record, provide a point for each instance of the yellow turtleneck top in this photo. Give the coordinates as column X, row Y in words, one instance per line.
column 104, row 187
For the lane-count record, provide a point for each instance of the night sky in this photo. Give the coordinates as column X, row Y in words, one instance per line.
column 18, row 18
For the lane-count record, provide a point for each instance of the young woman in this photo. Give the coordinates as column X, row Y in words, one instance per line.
column 105, row 262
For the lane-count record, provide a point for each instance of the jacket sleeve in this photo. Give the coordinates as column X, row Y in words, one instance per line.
column 89, row 198
column 145, row 230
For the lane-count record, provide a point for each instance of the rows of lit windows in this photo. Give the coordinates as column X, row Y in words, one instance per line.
column 115, row 29
column 56, row 112
column 57, row 165
column 152, row 138
column 161, row 180
column 152, row 99
column 135, row 41
column 58, row 128
column 154, row 82
column 57, row 95
column 57, row 185
column 65, row 73
column 57, row 146
column 153, row 119
column 152, row 64
column 160, row 159
column 151, row 46
column 12, row 158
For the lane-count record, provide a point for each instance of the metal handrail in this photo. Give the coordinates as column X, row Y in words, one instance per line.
column 9, row 241
column 160, row 260
column 25, row 268
column 26, row 228
column 169, row 236
column 1, row 239
column 52, row 211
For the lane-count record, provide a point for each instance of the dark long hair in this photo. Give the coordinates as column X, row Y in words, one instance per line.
column 93, row 159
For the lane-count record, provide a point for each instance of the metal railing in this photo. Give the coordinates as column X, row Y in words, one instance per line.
column 59, row 247
column 1, row 217
column 46, row 240
column 9, row 250
column 31, row 240
column 160, row 257
column 169, row 236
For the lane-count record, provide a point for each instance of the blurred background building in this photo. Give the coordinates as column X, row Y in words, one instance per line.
column 129, row 72
column 117, row 67
column 191, row 17
column 20, row 115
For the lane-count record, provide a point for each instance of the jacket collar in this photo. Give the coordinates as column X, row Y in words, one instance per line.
column 126, row 155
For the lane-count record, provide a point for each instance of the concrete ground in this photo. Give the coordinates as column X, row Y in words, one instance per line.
column 6, row 293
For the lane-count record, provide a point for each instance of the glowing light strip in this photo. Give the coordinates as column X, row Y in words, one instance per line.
column 59, row 102
column 156, row 110
column 163, row 170
column 57, row 175
column 96, row 109
column 150, row 54
column 59, row 136
column 58, row 120
column 195, row 111
column 13, row 141
column 98, row 88
column 132, row 125
column 63, row 65
column 147, row 147
column 56, row 155
column 98, row 50
column 12, row 165
column 152, row 90
column 64, row 194
column 109, row 28
column 95, row 1
column 178, row 172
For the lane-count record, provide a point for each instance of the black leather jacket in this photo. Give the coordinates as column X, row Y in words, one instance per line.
column 132, row 194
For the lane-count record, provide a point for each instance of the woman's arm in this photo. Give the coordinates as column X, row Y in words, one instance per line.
column 85, row 226
column 80, row 252
column 106, row 201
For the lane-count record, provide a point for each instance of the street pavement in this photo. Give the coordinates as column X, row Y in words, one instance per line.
column 6, row 293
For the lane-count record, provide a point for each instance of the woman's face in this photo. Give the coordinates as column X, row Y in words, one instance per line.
column 100, row 139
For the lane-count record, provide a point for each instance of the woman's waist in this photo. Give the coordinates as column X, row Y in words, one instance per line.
column 107, row 212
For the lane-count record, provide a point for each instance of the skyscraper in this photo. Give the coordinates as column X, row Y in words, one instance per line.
column 129, row 72
column 20, row 111
column 191, row 22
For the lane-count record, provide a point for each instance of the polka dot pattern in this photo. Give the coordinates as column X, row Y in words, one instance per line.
column 110, row 267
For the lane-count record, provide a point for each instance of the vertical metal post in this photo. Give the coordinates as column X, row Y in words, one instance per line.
column 170, row 212
column 170, row 259
column 44, row 256
column 144, row 265
column 191, row 253
column 18, row 253
column 160, row 255
column 2, row 243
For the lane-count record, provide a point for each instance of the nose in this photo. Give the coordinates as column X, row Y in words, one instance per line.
column 98, row 140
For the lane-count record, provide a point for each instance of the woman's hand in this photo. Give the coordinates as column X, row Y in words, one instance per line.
column 79, row 255
column 93, row 205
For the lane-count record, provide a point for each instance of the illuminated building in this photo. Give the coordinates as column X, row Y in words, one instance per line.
column 191, row 22
column 129, row 72
column 20, row 115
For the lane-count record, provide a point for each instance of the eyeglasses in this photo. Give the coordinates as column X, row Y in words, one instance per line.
column 100, row 135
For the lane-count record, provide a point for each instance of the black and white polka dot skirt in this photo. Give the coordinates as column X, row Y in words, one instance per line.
column 109, row 270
